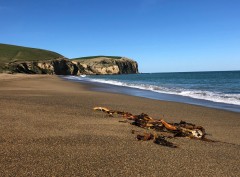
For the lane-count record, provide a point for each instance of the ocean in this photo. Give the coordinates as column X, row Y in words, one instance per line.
column 211, row 89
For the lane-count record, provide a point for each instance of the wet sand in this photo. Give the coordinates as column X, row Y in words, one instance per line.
column 48, row 128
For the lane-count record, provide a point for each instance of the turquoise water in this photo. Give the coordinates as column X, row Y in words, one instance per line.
column 217, row 87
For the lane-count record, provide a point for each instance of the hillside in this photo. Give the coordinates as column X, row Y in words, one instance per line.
column 12, row 53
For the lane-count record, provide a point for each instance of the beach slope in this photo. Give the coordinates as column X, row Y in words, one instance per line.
column 48, row 128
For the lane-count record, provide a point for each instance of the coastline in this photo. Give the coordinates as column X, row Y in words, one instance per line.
column 48, row 128
column 144, row 93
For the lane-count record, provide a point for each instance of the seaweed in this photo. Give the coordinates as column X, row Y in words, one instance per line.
column 167, row 130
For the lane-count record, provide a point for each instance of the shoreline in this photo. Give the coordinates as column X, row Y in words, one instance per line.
column 111, row 88
column 48, row 128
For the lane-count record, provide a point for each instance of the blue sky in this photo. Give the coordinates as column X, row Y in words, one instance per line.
column 162, row 35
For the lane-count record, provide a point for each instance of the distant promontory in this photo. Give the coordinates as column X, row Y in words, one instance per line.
column 18, row 59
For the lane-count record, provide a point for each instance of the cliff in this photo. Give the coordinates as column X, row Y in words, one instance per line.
column 106, row 65
column 18, row 59
column 64, row 66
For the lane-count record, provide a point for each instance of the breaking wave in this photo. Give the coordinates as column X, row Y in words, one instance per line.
column 193, row 93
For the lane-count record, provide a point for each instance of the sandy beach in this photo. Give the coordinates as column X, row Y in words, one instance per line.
column 48, row 128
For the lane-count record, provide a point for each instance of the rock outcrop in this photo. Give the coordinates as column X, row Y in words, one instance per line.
column 64, row 66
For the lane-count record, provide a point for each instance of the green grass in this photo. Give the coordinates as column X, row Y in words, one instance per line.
column 92, row 57
column 12, row 53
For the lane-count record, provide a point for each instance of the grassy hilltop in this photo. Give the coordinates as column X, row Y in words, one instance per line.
column 94, row 57
column 12, row 53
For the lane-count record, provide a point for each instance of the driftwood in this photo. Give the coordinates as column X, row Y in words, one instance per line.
column 181, row 129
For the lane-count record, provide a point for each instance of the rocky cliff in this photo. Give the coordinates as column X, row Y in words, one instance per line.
column 19, row 59
column 64, row 66
column 107, row 65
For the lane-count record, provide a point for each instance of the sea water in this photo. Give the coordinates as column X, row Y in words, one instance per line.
column 212, row 89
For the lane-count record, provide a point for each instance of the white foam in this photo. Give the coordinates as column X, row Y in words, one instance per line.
column 197, row 94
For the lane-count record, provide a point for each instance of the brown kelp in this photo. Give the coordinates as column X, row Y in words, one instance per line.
column 162, row 130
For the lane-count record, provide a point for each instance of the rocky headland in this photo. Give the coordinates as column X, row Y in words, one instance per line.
column 64, row 66
column 16, row 59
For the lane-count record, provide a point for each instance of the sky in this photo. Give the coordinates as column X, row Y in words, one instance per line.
column 161, row 35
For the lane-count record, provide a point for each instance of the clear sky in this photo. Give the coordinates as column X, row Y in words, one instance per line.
column 162, row 35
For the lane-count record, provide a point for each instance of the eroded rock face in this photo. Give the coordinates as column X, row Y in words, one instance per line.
column 104, row 65
column 64, row 66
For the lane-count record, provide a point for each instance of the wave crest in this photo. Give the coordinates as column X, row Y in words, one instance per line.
column 197, row 94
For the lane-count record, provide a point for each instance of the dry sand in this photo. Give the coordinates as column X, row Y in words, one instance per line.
column 48, row 128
